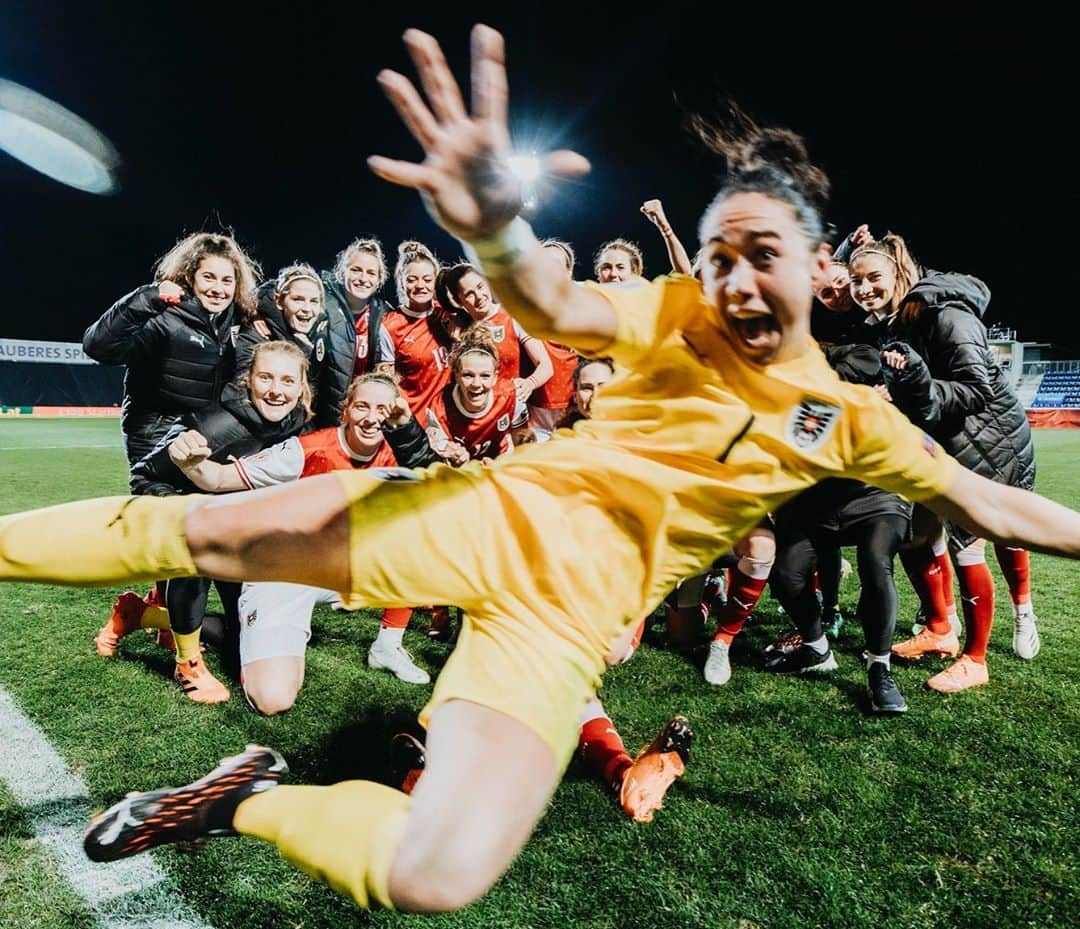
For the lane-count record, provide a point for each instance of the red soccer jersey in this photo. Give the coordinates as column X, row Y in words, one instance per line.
column 363, row 362
column 485, row 434
column 557, row 393
column 325, row 451
column 302, row 456
column 419, row 358
column 508, row 337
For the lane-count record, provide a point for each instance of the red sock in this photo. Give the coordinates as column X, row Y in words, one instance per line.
column 1016, row 566
column 743, row 594
column 924, row 572
column 945, row 563
column 603, row 751
column 815, row 581
column 977, row 598
column 396, row 617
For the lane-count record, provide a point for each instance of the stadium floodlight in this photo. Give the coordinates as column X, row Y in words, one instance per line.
column 54, row 141
column 528, row 170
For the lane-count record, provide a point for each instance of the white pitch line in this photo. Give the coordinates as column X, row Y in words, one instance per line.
column 58, row 807
column 34, row 448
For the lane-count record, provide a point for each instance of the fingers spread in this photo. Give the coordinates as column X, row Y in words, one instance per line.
column 490, row 92
column 439, row 84
column 405, row 173
column 564, row 163
column 410, row 107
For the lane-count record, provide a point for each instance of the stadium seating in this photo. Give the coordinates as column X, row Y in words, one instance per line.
column 1058, row 389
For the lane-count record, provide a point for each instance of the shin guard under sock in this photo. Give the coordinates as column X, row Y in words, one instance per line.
column 345, row 835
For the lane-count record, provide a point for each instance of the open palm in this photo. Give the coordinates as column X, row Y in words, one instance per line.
column 465, row 177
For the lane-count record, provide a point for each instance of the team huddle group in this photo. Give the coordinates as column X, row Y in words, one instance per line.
column 709, row 427
column 232, row 385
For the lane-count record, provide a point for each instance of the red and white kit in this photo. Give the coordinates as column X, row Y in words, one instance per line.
column 485, row 434
column 420, row 359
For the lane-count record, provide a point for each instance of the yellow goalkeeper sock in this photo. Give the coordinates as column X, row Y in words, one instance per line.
column 345, row 835
column 187, row 645
column 97, row 543
column 154, row 617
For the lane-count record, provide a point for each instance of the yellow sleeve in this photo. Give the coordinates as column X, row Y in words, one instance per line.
column 639, row 308
column 890, row 452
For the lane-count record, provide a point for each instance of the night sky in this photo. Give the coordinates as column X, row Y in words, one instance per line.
column 948, row 128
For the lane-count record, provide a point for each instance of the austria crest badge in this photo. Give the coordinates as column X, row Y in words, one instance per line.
column 810, row 424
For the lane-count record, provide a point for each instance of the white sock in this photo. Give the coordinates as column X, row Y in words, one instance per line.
column 1023, row 609
column 389, row 637
column 884, row 659
column 819, row 645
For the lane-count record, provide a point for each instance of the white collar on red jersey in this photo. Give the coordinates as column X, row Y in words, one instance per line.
column 347, row 449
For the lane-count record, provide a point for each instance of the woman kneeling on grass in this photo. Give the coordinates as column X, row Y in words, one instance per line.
column 726, row 410
column 276, row 616
column 272, row 403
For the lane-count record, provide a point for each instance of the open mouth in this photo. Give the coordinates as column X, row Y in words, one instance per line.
column 756, row 330
column 273, row 410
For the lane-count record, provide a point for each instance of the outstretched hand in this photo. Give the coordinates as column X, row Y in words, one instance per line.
column 465, row 178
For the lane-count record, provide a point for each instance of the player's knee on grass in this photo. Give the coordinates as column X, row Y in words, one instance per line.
column 270, row 699
column 271, row 685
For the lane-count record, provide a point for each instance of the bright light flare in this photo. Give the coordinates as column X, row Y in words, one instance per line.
column 529, row 171
column 526, row 168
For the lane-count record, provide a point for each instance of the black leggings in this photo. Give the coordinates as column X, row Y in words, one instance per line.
column 797, row 554
column 186, row 599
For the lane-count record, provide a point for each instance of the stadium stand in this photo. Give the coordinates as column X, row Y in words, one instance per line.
column 57, row 376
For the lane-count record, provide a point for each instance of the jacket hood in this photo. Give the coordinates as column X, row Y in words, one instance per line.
column 937, row 288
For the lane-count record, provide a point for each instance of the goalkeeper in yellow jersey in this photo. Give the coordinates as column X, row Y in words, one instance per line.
column 724, row 408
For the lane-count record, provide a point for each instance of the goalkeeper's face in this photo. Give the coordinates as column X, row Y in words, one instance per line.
column 757, row 270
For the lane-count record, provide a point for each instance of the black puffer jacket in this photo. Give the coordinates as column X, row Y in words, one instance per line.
column 343, row 340
column 952, row 386
column 232, row 430
column 411, row 446
column 328, row 378
column 178, row 359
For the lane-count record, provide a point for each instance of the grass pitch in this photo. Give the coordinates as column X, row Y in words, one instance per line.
column 798, row 808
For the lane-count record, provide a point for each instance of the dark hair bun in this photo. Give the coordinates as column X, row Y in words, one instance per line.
column 749, row 149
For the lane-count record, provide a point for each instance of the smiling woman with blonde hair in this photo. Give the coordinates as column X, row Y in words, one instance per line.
column 270, row 404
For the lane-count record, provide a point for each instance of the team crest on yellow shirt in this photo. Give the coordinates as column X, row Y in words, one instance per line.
column 811, row 423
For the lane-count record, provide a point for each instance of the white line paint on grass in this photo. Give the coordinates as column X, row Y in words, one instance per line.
column 34, row 448
column 129, row 894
